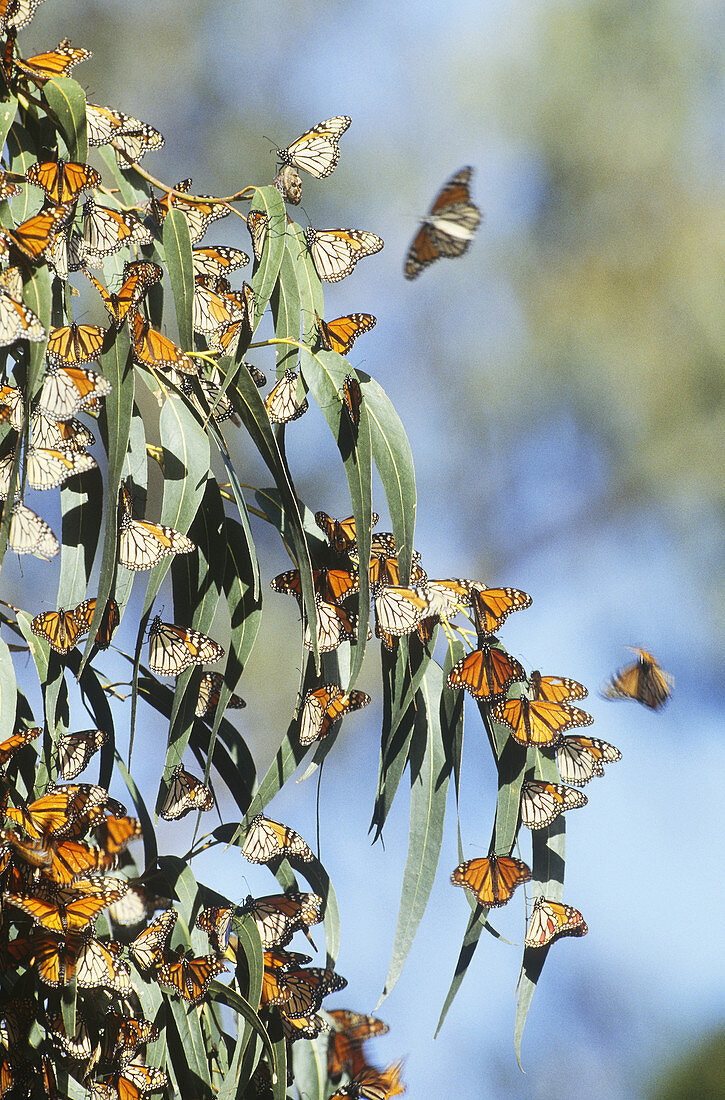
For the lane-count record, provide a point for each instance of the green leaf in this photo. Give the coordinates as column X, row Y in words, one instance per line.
column 428, row 792
column 68, row 101
column 394, row 462
column 8, row 111
column 8, row 690
column 476, row 924
column 222, row 994
column 309, row 1060
column 37, row 295
column 285, row 304
column 115, row 429
column 81, row 502
column 135, row 467
column 149, row 835
column 269, row 200
column 129, row 194
column 177, row 247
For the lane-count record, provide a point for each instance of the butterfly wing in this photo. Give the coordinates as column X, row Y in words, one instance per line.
column 449, row 227
column 555, row 689
column 336, row 251
column 317, row 151
column 492, row 880
column 550, row 919
column 267, row 839
column 172, row 648
column 486, row 673
column 580, row 758
column 538, row 722
column 542, row 802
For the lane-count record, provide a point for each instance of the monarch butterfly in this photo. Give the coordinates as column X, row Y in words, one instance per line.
column 281, row 402
column 17, row 321
column 279, row 916
column 211, row 310
column 217, row 923
column 110, row 619
column 68, row 913
column 67, row 435
column 57, row 62
column 77, row 1046
column 384, row 570
column 141, row 545
column 332, row 585
column 114, row 833
column 107, row 231
column 62, row 181
column 32, row 237
column 555, row 689
column 7, row 189
column 306, row 989
column 492, row 879
column 448, row 228
column 373, row 1084
column 137, row 278
column 123, row 1035
column 644, row 681
column 75, row 344
column 64, row 811
column 185, row 793
column 69, row 861
column 47, row 468
column 94, row 963
column 208, row 698
column 317, row 151
column 398, row 610
column 277, row 963
column 75, row 750
column 135, row 906
column 153, row 349
column 580, row 758
column 68, row 389
column 341, row 333
column 341, row 533
column 324, row 707
column 537, row 722
column 345, row 1052
column 172, row 648
column 198, row 212
column 257, row 224
column 11, row 398
column 215, row 404
column 29, row 534
column 352, row 399
column 17, row 14
column 541, row 802
column 17, row 741
column 333, row 626
column 216, row 259
column 335, row 252
column 492, row 606
column 130, row 137
column 190, row 977
column 267, row 839
column 65, row 253
column 302, row 1027
column 61, row 629
column 550, row 919
column 149, row 947
column 486, row 673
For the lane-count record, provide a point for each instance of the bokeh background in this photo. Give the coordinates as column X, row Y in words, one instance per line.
column 563, row 390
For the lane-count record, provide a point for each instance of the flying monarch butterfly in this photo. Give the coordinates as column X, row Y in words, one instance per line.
column 492, row 606
column 67, row 913
column 199, row 212
column 580, row 758
column 134, row 907
column 74, row 344
column 208, row 698
column 110, row 619
column 216, row 921
column 185, row 793
column 17, row 741
column 535, row 722
column 62, row 181
column 69, row 861
column 54, row 63
column 644, row 681
column 317, row 151
column 172, row 648
column 17, row 321
column 341, row 333
column 114, row 833
column 281, row 402
column 398, row 610
column 149, row 947
column 106, row 231
column 555, row 689
column 341, row 533
column 335, row 252
column 267, row 839
column 550, row 919
column 190, row 977
column 68, row 389
column 279, row 916
column 333, row 626
column 153, row 349
column 141, row 545
column 62, row 629
column 137, row 278
column 257, row 224
column 345, row 1052
column 373, row 1084
column 131, row 1082
column 492, row 880
column 32, row 237
column 29, row 534
column 542, row 802
column 352, row 399
column 123, row 1035
column 75, row 750
column 323, row 708
column 487, row 673
column 448, row 228
column 332, row 585
column 217, row 259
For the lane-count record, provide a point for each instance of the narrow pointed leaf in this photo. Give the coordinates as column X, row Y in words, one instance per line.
column 67, row 99
column 177, row 248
